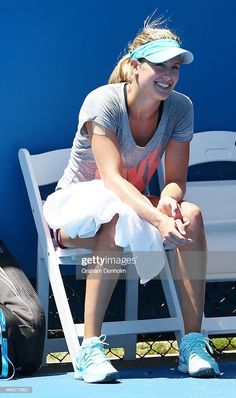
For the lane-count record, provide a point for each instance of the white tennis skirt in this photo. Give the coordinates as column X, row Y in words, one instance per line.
column 83, row 207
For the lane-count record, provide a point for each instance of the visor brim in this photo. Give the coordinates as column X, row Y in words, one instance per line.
column 169, row 53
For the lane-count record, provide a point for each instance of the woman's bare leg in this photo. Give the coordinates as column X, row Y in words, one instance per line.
column 191, row 270
column 99, row 285
column 86, row 243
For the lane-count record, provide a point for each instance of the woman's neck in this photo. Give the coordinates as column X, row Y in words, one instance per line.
column 139, row 106
column 144, row 116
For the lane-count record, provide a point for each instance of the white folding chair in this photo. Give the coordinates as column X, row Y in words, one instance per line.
column 46, row 168
column 217, row 200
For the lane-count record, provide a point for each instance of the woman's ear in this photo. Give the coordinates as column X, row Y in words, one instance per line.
column 134, row 65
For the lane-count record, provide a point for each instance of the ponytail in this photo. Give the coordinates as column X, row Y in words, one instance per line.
column 122, row 71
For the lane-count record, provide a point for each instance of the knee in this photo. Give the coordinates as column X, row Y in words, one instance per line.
column 193, row 211
column 194, row 214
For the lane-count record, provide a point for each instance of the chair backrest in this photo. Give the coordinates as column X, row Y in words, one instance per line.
column 207, row 146
column 213, row 146
column 39, row 170
column 216, row 198
column 48, row 167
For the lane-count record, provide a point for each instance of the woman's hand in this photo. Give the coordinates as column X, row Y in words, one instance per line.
column 172, row 227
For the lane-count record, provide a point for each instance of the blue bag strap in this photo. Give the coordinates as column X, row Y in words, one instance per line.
column 3, row 343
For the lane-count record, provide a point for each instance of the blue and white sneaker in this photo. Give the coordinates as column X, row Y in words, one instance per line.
column 92, row 364
column 195, row 356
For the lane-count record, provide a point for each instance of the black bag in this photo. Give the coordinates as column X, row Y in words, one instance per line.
column 22, row 320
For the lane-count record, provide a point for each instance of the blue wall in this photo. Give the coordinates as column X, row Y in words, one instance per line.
column 53, row 52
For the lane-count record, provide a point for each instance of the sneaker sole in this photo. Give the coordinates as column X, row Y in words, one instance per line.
column 200, row 373
column 107, row 377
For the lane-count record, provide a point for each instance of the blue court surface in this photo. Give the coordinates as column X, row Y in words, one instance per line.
column 160, row 381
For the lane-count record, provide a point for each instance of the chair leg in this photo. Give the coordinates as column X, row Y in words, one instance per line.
column 131, row 310
column 63, row 307
column 42, row 288
column 204, row 326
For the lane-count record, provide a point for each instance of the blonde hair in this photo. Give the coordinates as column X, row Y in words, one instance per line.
column 151, row 31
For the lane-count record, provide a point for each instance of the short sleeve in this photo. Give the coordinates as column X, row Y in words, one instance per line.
column 184, row 125
column 102, row 107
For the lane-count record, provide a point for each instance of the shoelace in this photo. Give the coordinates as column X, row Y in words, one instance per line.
column 94, row 353
column 199, row 347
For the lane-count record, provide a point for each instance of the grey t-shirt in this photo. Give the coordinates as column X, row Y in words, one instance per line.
column 106, row 106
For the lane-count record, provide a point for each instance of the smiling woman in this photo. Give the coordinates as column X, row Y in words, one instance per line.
column 124, row 128
column 165, row 75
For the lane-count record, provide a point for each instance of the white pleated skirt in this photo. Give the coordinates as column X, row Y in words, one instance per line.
column 83, row 207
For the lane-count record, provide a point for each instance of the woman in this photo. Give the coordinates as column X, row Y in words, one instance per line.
column 124, row 128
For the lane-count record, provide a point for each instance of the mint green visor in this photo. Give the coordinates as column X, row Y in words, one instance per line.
column 162, row 50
